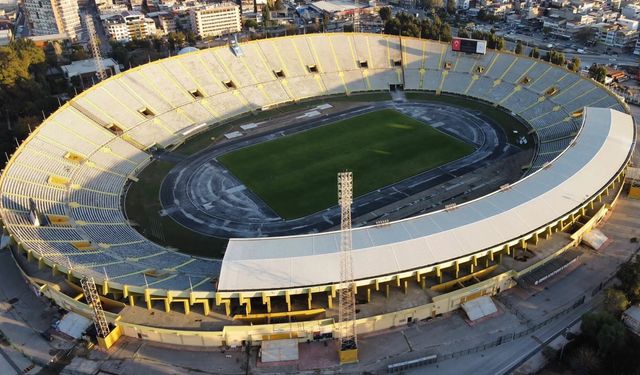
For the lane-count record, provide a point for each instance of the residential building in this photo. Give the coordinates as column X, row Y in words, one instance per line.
column 631, row 11
column 616, row 35
column 129, row 25
column 631, row 319
column 215, row 19
column 636, row 50
column 5, row 37
column 47, row 17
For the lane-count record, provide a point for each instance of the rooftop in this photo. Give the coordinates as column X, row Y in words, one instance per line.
column 85, row 66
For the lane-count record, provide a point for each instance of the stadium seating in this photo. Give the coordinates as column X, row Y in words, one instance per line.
column 78, row 161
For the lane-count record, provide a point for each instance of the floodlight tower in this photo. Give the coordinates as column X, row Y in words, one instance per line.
column 348, row 350
column 101, row 73
column 356, row 18
column 93, row 300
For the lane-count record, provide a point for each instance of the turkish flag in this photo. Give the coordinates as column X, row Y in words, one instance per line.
column 455, row 44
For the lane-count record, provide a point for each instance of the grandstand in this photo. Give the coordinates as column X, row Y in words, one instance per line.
column 76, row 164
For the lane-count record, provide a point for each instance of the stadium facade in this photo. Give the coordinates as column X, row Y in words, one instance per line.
column 72, row 170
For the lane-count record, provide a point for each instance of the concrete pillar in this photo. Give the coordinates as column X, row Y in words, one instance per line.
column 206, row 307
column 423, row 282
column 287, row 298
column 471, row 267
column 405, row 286
column 167, row 305
column 329, row 301
column 386, row 290
column 266, row 300
column 398, row 281
column 132, row 300
column 309, row 299
column 549, row 232
column 377, row 284
column 187, row 308
column 247, row 302
column 147, row 298
column 486, row 261
column 368, row 295
column 456, row 266
column 439, row 274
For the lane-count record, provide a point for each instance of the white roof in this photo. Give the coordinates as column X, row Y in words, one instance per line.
column 85, row 66
column 479, row 308
column 601, row 148
column 335, row 6
column 279, row 350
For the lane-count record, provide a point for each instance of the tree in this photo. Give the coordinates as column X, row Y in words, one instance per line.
column 451, row 7
column 250, row 23
column 433, row 4
column 535, row 53
column 191, row 37
column 555, row 57
column 385, row 13
column 462, row 33
column 78, row 53
column 16, row 59
column 585, row 34
column 482, row 14
column 157, row 43
column 519, row 49
column 629, row 273
column 120, row 53
column 445, row 33
column 599, row 73
column 574, row 66
column 175, row 39
column 615, row 301
column 603, row 330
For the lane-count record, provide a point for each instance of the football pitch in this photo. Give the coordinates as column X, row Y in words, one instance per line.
column 296, row 175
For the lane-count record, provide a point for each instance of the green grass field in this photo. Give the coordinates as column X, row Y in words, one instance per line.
column 204, row 139
column 296, row 175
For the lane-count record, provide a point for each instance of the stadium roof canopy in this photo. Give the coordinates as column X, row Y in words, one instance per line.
column 601, row 149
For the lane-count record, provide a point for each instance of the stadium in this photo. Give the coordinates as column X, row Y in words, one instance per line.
column 414, row 257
